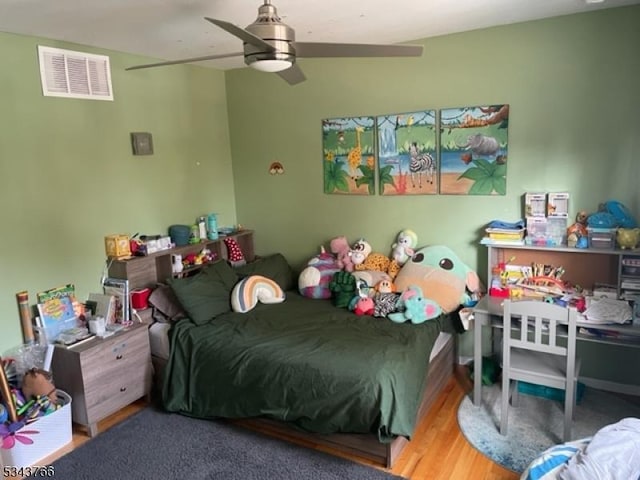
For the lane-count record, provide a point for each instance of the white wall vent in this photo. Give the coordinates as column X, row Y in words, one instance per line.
column 65, row 73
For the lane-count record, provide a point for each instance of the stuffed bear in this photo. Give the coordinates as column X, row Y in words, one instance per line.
column 339, row 246
column 313, row 281
column 441, row 275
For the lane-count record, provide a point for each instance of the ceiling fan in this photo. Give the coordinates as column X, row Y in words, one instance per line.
column 270, row 46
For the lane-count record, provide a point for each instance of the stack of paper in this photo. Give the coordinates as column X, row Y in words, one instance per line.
column 608, row 310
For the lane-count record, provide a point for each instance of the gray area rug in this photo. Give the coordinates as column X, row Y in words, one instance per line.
column 155, row 445
column 536, row 423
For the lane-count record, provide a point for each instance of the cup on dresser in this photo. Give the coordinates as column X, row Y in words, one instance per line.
column 97, row 325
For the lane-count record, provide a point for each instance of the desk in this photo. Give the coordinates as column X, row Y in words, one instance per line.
column 488, row 311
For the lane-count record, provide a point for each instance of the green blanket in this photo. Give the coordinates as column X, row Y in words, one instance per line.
column 305, row 361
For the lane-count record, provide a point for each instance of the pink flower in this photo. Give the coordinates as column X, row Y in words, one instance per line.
column 10, row 434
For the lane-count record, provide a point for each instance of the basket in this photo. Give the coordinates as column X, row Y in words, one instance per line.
column 48, row 434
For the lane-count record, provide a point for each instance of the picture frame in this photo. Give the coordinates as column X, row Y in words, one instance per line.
column 348, row 155
column 407, row 153
column 119, row 288
column 474, row 149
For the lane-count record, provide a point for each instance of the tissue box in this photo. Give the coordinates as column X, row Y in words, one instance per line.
column 48, row 433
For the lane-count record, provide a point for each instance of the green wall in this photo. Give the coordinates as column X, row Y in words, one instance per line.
column 68, row 176
column 572, row 84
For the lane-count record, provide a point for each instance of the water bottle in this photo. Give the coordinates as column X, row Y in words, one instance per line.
column 212, row 226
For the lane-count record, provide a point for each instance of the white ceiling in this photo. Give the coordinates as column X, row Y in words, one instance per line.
column 175, row 29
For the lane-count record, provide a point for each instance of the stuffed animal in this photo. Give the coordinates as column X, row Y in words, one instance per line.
column 38, row 382
column 313, row 281
column 359, row 252
column 339, row 246
column 404, row 247
column 414, row 307
column 362, row 306
column 371, row 277
column 365, row 260
column 343, row 288
column 441, row 275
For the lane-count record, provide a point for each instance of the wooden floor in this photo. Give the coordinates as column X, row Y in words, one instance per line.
column 438, row 451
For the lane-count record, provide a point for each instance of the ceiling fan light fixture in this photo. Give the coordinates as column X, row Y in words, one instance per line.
column 271, row 66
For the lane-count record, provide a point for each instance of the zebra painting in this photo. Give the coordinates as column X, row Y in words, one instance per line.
column 421, row 163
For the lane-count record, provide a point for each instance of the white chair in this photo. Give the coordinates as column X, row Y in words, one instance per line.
column 534, row 354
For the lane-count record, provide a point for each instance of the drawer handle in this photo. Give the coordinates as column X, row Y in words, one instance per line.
column 122, row 389
column 118, row 357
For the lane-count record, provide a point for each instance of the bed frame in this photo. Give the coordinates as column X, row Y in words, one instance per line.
column 366, row 446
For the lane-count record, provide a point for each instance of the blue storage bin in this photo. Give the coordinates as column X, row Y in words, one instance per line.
column 548, row 392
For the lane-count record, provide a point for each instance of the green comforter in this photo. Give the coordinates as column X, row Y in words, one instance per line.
column 305, row 361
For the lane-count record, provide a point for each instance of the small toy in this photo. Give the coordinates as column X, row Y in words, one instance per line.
column 363, row 306
column 385, row 286
column 359, row 252
column 578, row 229
column 417, row 309
column 38, row 382
column 343, row 289
column 313, row 281
column 339, row 246
column 234, row 253
column 403, row 248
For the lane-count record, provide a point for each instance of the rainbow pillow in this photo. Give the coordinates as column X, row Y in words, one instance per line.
column 253, row 289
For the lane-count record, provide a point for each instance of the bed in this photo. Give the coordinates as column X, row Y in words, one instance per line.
column 304, row 367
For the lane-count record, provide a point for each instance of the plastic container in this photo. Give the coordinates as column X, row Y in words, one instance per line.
column 179, row 234
column 548, row 392
column 603, row 238
column 48, row 434
column 212, row 226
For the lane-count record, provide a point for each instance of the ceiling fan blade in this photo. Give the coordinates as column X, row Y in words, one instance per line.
column 292, row 75
column 313, row 49
column 185, row 60
column 242, row 34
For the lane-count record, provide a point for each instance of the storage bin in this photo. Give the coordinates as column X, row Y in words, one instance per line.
column 548, row 392
column 604, row 238
column 48, row 433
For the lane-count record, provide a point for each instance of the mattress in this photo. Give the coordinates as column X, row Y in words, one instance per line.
column 159, row 340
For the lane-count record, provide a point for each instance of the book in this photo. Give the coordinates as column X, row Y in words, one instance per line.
column 57, row 310
column 119, row 288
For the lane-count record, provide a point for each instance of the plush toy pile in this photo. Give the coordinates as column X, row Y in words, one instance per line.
column 411, row 284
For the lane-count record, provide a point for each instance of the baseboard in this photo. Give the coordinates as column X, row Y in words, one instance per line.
column 625, row 388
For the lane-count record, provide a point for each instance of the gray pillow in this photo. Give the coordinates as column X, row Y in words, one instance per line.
column 207, row 294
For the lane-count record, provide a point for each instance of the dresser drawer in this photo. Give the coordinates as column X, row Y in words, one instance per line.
column 120, row 369
column 111, row 397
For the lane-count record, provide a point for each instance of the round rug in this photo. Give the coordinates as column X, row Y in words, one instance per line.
column 535, row 424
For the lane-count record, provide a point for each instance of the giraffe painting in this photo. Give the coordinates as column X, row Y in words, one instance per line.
column 346, row 142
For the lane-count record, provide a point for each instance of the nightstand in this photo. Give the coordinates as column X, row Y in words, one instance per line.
column 104, row 375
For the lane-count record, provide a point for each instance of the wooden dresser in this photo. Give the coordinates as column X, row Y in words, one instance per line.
column 104, row 375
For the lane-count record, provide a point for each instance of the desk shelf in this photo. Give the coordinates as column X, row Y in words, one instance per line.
column 584, row 266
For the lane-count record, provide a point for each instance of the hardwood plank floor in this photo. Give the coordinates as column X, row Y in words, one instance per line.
column 438, row 451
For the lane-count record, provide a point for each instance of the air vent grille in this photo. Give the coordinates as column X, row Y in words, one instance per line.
column 66, row 73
